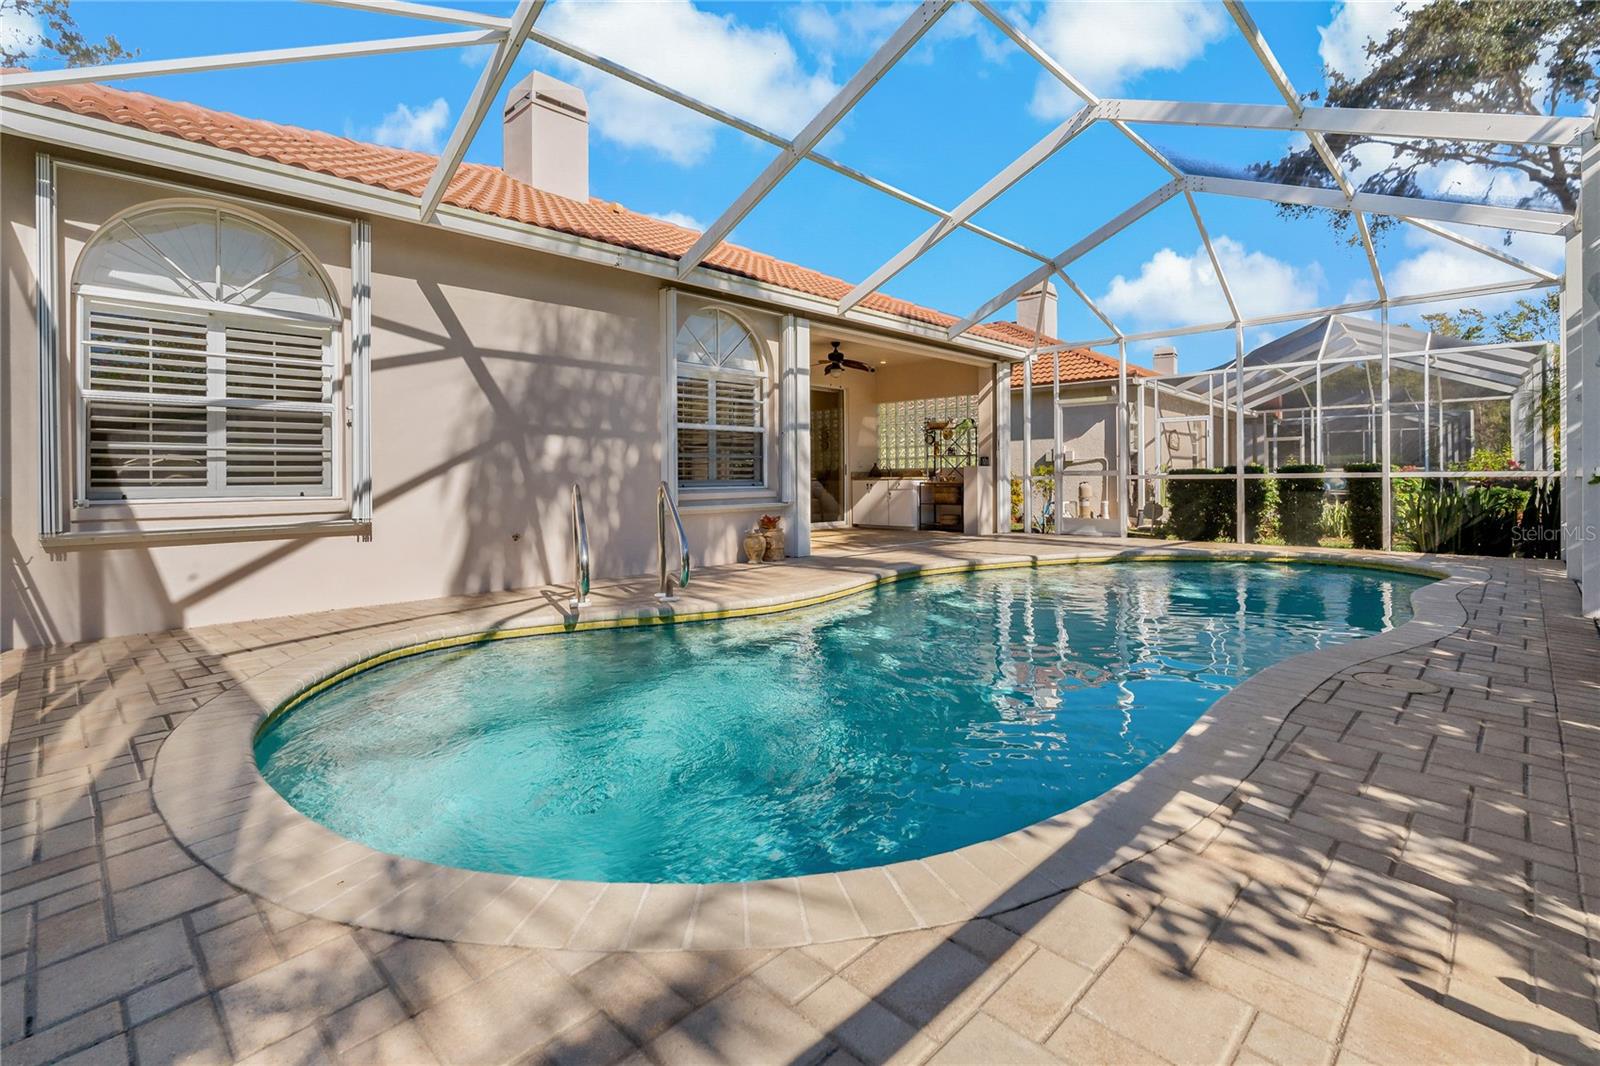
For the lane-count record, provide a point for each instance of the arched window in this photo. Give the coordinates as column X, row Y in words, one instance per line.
column 206, row 359
column 722, row 390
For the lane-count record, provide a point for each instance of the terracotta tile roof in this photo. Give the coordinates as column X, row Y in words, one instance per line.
column 476, row 187
column 1077, row 364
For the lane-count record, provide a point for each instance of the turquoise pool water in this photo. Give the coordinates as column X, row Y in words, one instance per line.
column 921, row 717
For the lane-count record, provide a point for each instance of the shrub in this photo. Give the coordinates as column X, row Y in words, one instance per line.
column 1366, row 506
column 1260, row 505
column 1483, row 519
column 1493, row 513
column 1300, row 510
column 1539, row 535
column 1195, row 509
column 1204, row 510
column 1408, row 504
column 1336, row 521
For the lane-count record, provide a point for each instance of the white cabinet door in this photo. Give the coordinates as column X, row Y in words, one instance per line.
column 903, row 506
column 872, row 505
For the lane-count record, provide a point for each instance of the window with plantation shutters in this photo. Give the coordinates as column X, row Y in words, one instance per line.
column 146, row 387
column 270, row 443
column 721, row 403
column 178, row 405
column 206, row 362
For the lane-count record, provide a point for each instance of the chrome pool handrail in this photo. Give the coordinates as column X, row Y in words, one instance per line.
column 580, row 552
column 664, row 503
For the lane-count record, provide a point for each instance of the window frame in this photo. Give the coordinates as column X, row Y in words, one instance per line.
column 216, row 403
column 219, row 317
column 762, row 380
column 712, row 428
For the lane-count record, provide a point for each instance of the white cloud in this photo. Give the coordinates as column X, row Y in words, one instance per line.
column 19, row 31
column 419, row 129
column 1474, row 182
column 1172, row 289
column 1447, row 267
column 753, row 73
column 853, row 26
column 1355, row 22
column 678, row 218
column 858, row 27
column 1452, row 179
column 1108, row 44
column 1439, row 266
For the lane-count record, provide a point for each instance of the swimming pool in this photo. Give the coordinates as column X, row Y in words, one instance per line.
column 918, row 718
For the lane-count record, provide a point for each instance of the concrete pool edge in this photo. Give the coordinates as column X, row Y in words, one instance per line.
column 218, row 806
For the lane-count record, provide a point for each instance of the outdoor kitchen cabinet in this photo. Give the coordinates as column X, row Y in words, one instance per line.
column 887, row 502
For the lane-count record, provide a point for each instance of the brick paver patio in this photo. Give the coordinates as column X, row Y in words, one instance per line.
column 1410, row 875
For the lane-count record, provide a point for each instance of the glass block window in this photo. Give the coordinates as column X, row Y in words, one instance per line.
column 902, row 437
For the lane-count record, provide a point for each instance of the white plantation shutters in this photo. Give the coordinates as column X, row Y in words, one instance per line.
column 720, row 431
column 721, row 391
column 694, row 430
column 135, row 441
column 182, row 405
column 269, row 443
column 207, row 361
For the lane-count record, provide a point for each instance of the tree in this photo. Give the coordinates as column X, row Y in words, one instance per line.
column 1535, row 318
column 47, row 27
column 1531, row 319
column 1531, row 57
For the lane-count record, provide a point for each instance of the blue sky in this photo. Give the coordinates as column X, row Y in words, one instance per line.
column 961, row 105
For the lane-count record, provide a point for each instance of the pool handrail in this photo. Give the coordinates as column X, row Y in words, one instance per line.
column 664, row 503
column 580, row 552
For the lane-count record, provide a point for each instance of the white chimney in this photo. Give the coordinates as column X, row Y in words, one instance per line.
column 1164, row 360
column 1028, row 309
column 547, row 136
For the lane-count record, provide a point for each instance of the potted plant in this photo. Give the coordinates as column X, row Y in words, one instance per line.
column 772, row 531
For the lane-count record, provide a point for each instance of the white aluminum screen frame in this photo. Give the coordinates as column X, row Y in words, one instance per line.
column 507, row 34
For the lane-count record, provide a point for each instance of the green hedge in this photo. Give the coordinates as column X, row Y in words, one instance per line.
column 1300, row 504
column 1204, row 510
column 1199, row 510
column 1539, row 536
column 1260, row 505
column 1366, row 506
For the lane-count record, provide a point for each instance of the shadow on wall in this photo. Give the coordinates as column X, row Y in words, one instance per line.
column 545, row 417
column 522, row 422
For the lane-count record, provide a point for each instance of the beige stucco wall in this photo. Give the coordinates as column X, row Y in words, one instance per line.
column 499, row 377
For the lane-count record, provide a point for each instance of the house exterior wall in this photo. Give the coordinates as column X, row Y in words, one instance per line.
column 1088, row 433
column 500, row 376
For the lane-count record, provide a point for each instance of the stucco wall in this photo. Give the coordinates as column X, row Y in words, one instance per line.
column 499, row 377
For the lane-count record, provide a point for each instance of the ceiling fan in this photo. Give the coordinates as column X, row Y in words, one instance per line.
column 836, row 362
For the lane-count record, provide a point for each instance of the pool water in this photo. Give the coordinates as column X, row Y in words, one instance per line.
column 921, row 717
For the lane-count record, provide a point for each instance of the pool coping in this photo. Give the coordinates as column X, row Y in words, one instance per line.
column 210, row 792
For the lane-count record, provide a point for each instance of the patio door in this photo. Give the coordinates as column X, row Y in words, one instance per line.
column 828, row 479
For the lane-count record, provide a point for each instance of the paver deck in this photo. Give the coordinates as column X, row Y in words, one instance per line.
column 1407, row 872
